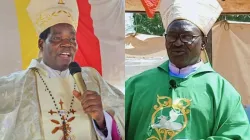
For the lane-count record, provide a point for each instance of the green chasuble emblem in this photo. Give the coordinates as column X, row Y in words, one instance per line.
column 170, row 117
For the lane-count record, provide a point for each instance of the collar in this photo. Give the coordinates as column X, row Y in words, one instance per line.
column 46, row 70
column 202, row 69
column 183, row 72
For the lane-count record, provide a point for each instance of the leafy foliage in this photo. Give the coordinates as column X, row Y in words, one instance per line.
column 145, row 25
column 153, row 26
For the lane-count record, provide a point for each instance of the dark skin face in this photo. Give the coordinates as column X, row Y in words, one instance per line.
column 59, row 49
column 184, row 54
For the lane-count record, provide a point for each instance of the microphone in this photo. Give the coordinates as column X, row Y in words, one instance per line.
column 173, row 84
column 76, row 72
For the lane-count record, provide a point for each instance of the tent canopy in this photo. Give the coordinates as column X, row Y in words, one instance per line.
column 229, row 6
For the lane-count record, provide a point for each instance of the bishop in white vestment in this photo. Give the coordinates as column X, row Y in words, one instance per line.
column 43, row 102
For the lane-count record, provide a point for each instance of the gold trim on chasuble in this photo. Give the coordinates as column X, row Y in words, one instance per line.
column 166, row 127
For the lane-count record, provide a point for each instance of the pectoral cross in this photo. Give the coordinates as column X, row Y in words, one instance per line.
column 64, row 126
column 65, row 131
column 61, row 2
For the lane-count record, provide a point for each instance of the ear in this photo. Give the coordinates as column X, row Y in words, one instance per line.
column 204, row 42
column 40, row 44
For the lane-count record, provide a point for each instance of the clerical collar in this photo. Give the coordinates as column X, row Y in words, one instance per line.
column 183, row 72
column 55, row 73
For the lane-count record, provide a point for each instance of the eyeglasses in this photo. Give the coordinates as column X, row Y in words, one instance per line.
column 171, row 38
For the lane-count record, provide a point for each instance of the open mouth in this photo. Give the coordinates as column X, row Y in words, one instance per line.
column 65, row 55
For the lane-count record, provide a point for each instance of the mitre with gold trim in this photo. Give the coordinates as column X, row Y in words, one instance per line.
column 47, row 13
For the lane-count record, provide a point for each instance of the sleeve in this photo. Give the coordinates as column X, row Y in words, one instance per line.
column 129, row 90
column 231, row 121
column 108, row 120
column 113, row 102
column 11, row 90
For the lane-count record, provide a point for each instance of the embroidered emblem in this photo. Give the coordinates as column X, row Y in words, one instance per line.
column 169, row 118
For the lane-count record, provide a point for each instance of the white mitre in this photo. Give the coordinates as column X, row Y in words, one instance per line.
column 47, row 13
column 202, row 13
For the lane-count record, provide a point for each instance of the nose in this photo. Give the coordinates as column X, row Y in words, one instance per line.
column 66, row 43
column 178, row 43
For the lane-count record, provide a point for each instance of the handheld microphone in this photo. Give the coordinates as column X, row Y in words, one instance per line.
column 173, row 84
column 76, row 72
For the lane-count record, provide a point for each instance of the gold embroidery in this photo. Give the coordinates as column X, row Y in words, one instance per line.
column 61, row 2
column 43, row 20
column 167, row 129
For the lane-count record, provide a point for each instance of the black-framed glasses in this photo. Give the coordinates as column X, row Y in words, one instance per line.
column 185, row 38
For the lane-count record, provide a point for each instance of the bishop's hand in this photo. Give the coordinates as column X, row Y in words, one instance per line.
column 92, row 104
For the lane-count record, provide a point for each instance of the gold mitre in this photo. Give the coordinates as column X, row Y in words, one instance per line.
column 47, row 13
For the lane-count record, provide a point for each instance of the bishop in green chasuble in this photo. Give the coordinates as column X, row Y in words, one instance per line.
column 184, row 98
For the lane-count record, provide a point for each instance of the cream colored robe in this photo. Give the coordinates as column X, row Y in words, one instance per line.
column 20, row 108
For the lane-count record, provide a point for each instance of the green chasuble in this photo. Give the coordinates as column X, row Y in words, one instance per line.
column 203, row 106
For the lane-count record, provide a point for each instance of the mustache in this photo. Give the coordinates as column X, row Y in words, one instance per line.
column 183, row 47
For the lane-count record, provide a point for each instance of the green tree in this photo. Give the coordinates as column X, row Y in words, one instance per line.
column 153, row 26
column 240, row 18
column 145, row 25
